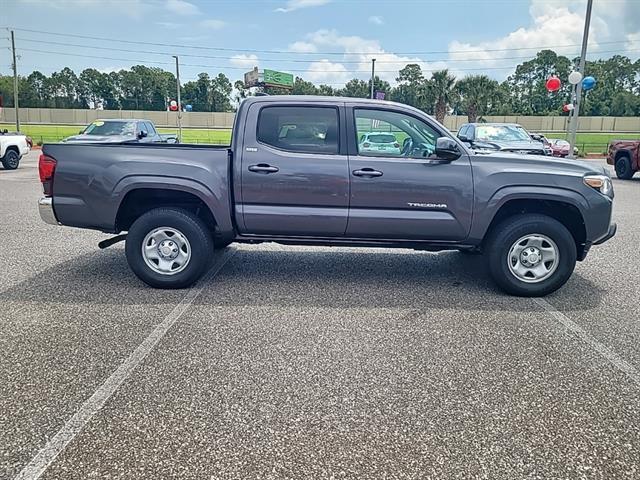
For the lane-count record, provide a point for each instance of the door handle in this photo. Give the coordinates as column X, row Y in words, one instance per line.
column 367, row 172
column 263, row 168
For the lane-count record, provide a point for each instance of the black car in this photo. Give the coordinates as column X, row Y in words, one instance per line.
column 505, row 137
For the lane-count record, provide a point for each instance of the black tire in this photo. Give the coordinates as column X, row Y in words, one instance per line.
column 623, row 168
column 190, row 226
column 11, row 160
column 505, row 235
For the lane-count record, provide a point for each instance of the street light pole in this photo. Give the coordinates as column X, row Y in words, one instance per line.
column 573, row 124
column 179, row 101
column 373, row 71
column 15, row 81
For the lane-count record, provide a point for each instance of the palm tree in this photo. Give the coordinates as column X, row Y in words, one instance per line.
column 441, row 86
column 478, row 95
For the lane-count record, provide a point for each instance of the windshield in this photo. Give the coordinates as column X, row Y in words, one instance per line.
column 382, row 138
column 502, row 133
column 111, row 128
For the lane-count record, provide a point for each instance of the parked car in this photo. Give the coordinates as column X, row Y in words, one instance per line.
column 532, row 217
column 379, row 143
column 505, row 137
column 118, row 131
column 13, row 146
column 561, row 148
column 624, row 155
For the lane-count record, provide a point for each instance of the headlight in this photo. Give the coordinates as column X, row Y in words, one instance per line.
column 602, row 183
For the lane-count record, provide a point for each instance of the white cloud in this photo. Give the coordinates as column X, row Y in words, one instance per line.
column 169, row 25
column 633, row 42
column 180, row 7
column 212, row 23
column 247, row 61
column 376, row 20
column 324, row 71
column 358, row 52
column 302, row 47
column 292, row 5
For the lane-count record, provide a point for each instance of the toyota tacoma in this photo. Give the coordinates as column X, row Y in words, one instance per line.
column 297, row 173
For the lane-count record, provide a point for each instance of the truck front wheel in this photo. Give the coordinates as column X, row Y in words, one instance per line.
column 530, row 255
column 11, row 160
column 169, row 248
column 623, row 168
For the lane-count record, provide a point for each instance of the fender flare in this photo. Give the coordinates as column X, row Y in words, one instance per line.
column 216, row 205
column 481, row 222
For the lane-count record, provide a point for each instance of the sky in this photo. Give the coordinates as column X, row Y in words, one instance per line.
column 324, row 41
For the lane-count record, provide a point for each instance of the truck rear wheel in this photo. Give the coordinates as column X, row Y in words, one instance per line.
column 623, row 168
column 11, row 160
column 169, row 248
column 530, row 255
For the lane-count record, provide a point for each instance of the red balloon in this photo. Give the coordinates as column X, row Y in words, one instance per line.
column 565, row 108
column 553, row 84
column 173, row 108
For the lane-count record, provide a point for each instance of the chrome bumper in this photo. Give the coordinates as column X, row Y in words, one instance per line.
column 45, row 207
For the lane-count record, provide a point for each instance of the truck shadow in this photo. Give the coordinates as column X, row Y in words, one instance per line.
column 298, row 278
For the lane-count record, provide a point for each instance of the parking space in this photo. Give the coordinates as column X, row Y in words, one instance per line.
column 304, row 362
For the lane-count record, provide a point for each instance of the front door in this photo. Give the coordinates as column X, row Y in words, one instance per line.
column 400, row 189
column 295, row 173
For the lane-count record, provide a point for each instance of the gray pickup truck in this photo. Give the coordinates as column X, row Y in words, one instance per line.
column 297, row 173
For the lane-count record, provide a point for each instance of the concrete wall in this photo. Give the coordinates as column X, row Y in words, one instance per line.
column 225, row 120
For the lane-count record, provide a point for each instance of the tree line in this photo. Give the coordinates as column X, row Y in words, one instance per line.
column 522, row 93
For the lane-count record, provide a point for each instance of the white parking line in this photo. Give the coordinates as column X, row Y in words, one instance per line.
column 37, row 466
column 612, row 357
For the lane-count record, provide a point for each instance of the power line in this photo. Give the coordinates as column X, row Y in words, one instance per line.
column 287, row 52
column 404, row 62
column 237, row 68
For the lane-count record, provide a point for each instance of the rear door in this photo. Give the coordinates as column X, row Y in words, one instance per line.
column 410, row 193
column 295, row 175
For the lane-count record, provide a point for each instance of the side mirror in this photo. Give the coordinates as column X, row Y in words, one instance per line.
column 447, row 149
column 142, row 134
column 537, row 137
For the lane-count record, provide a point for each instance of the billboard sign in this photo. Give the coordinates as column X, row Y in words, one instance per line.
column 273, row 78
column 252, row 78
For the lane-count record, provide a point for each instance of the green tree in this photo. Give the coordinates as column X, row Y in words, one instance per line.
column 412, row 88
column 356, row 88
column 441, row 86
column 527, row 85
column 477, row 95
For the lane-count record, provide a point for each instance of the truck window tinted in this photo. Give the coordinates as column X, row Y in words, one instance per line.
column 300, row 129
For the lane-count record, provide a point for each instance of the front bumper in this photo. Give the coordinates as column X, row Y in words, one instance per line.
column 613, row 228
column 45, row 207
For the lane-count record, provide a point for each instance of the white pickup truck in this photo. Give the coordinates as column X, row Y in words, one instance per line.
column 13, row 146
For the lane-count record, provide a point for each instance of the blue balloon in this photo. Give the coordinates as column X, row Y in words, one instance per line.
column 588, row 83
column 189, row 108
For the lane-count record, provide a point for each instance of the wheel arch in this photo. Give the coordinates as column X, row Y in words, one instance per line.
column 566, row 206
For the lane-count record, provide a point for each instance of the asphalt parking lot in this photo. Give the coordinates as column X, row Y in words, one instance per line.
column 292, row 362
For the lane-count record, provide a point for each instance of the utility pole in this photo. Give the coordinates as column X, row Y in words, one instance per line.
column 573, row 124
column 15, row 81
column 373, row 72
column 179, row 101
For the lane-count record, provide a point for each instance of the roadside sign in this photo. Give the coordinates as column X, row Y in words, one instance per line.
column 252, row 78
column 273, row 78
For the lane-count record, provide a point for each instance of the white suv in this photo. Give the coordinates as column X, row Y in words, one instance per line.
column 13, row 146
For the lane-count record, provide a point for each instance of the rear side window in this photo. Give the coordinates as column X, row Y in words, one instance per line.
column 151, row 129
column 142, row 127
column 463, row 131
column 300, row 129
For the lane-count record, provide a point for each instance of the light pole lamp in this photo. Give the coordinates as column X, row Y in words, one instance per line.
column 179, row 101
